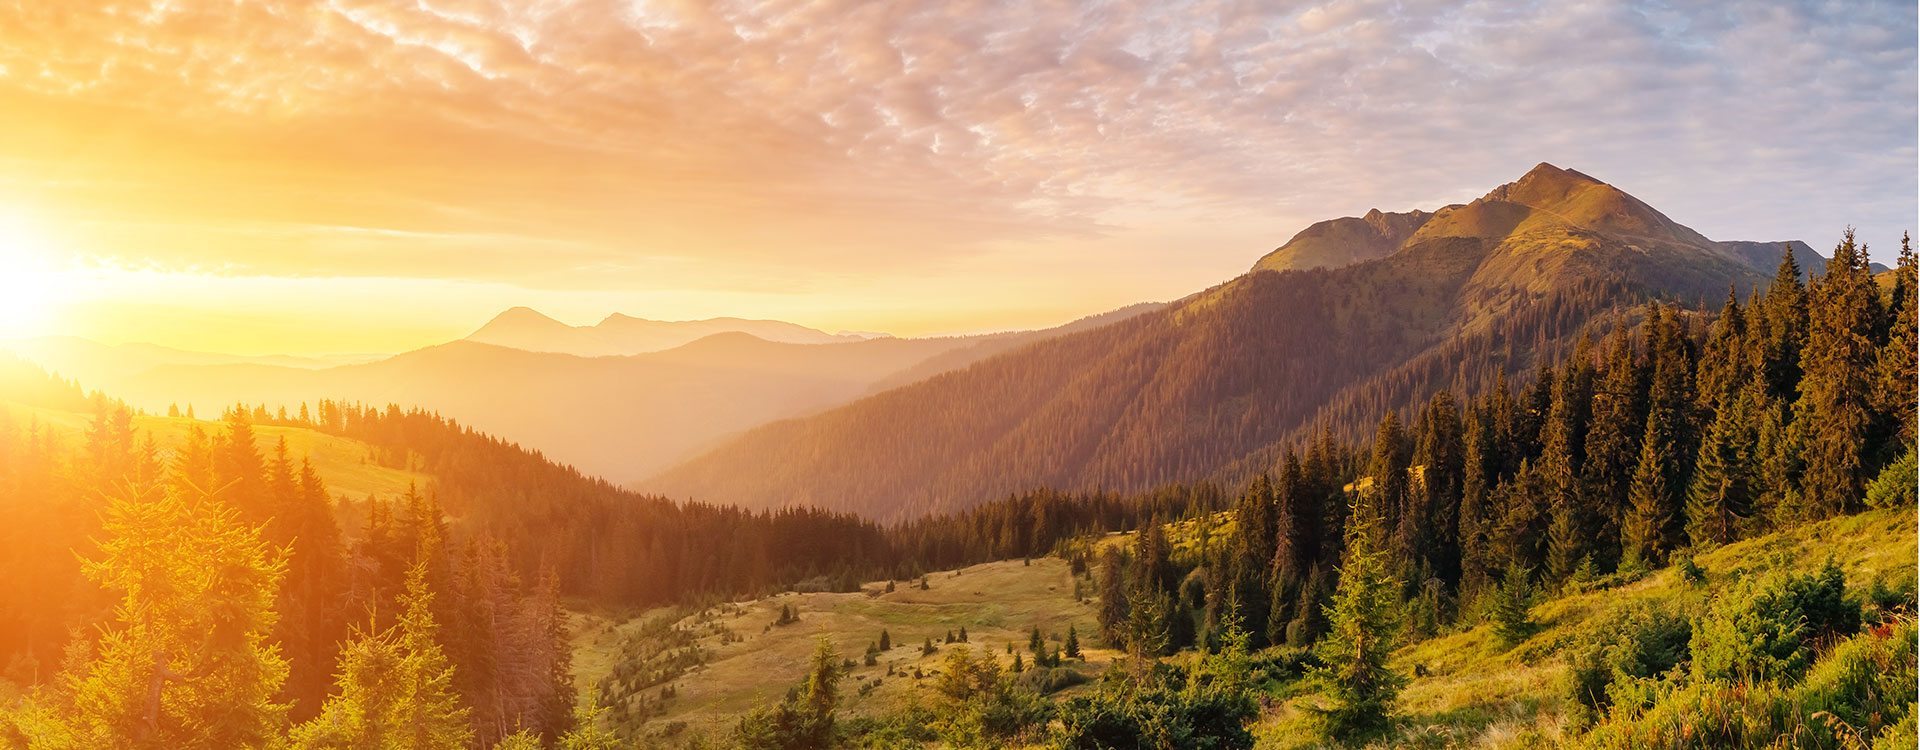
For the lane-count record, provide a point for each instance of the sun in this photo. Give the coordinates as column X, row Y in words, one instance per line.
column 30, row 285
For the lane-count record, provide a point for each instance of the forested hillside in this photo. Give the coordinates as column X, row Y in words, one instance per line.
column 1679, row 536
column 1207, row 387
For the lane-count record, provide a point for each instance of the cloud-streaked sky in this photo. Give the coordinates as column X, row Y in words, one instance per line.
column 351, row 175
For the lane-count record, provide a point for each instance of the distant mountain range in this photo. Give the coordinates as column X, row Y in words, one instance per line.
column 1349, row 318
column 526, row 329
column 621, row 416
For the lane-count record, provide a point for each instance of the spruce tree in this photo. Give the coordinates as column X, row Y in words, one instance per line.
column 1836, row 388
column 1511, row 603
column 1659, row 479
column 1111, row 613
column 1618, row 420
column 1479, row 475
column 1897, row 373
column 1722, row 493
column 187, row 661
column 1439, row 453
column 1781, row 320
column 1359, row 686
column 1570, row 530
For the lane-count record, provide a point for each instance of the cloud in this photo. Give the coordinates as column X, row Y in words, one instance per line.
column 614, row 136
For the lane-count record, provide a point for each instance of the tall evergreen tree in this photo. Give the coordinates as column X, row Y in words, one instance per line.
column 1781, row 323
column 1617, row 422
column 1898, row 370
column 1722, row 495
column 188, row 662
column 1354, row 676
column 1836, row 388
column 1570, row 528
column 1386, row 500
column 1659, row 479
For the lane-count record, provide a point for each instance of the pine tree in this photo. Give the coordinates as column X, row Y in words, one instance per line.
column 1511, row 602
column 1618, row 421
column 1722, row 493
column 805, row 719
column 1839, row 361
column 1388, row 497
column 1660, row 477
column 1479, row 475
column 1898, row 369
column 1439, row 455
column 1570, row 529
column 187, row 662
column 1073, row 643
column 1726, row 359
column 1782, row 323
column 1354, row 676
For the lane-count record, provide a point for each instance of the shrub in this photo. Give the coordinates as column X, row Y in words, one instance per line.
column 1861, row 693
column 1895, row 487
column 1768, row 633
column 1050, row 680
column 1629, row 652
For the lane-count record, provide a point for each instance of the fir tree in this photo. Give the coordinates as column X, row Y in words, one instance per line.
column 1511, row 602
column 1659, row 479
column 1835, row 391
column 1898, row 371
column 1722, row 494
column 187, row 662
column 1354, row 676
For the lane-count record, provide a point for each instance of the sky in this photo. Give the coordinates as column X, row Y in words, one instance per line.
column 300, row 176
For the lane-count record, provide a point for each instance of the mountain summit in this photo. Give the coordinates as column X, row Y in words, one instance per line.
column 1547, row 207
column 1351, row 318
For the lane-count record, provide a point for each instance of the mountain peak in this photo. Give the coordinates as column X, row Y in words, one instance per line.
column 519, row 316
column 1544, row 185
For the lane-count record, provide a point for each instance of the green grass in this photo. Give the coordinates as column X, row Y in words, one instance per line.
column 1479, row 694
column 345, row 465
column 999, row 603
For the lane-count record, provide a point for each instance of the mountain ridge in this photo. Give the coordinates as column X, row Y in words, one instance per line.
column 1203, row 387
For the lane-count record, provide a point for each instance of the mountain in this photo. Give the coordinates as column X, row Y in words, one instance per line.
column 1345, row 241
column 1568, row 196
column 527, row 329
column 1208, row 386
column 620, row 417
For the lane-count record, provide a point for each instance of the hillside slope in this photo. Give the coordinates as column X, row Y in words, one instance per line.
column 749, row 660
column 1474, row 693
column 1196, row 389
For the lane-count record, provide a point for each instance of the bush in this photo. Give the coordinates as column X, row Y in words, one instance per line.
column 1861, row 693
column 1895, row 487
column 1768, row 633
column 1049, row 681
column 1630, row 651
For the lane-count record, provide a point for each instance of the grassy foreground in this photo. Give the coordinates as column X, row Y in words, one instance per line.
column 1470, row 690
column 998, row 603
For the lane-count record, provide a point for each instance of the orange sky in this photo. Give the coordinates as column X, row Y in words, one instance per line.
column 312, row 176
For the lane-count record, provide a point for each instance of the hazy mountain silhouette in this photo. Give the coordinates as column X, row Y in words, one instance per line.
column 622, row 417
column 617, row 334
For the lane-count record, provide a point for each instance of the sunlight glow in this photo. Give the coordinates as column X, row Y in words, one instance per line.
column 31, row 287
